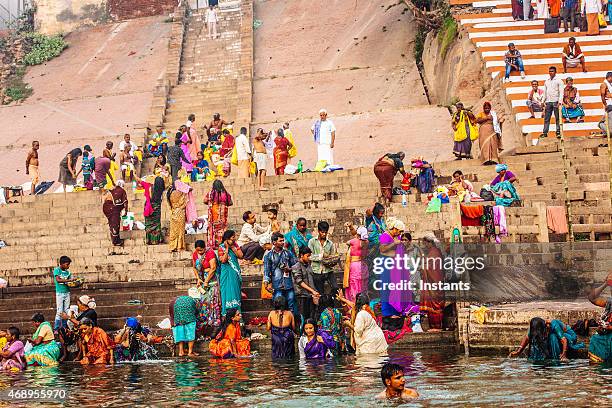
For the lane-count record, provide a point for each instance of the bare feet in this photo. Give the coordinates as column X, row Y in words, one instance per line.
column 193, row 354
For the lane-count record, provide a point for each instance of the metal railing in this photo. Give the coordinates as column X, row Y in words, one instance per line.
column 12, row 10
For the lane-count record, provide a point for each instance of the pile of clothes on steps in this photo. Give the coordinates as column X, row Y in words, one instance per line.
column 487, row 216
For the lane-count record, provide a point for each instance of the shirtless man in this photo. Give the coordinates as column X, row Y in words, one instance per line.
column 125, row 160
column 392, row 376
column 605, row 91
column 32, row 165
column 261, row 156
column 108, row 152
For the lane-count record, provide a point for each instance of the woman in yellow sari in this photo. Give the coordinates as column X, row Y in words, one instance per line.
column 178, row 217
column 465, row 131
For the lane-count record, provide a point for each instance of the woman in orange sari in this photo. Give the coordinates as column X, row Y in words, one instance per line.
column 229, row 342
column 97, row 346
column 281, row 152
column 218, row 201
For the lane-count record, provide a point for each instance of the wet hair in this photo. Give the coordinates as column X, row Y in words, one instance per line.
column 326, row 301
column 361, row 300
column 305, row 250
column 86, row 321
column 378, row 208
column 276, row 236
column 457, row 173
column 228, row 234
column 389, row 370
column 14, row 331
column 323, row 226
column 64, row 259
column 246, row 215
column 273, row 211
column 227, row 320
column 200, row 243
column 280, row 303
column 538, row 336
column 38, row 318
column 309, row 321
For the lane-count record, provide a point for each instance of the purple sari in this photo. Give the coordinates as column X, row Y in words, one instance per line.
column 401, row 300
column 314, row 349
column 16, row 359
column 282, row 342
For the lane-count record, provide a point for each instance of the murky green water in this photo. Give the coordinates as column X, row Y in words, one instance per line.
column 441, row 379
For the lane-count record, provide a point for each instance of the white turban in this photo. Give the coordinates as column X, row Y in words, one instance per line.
column 322, row 110
column 393, row 222
column 362, row 232
column 431, row 237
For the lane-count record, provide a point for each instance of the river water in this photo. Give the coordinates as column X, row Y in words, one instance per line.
column 442, row 379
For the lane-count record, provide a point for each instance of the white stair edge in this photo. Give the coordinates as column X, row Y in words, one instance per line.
column 540, row 51
column 599, row 75
column 526, row 89
column 584, row 99
column 549, row 61
column 490, row 3
column 520, row 33
column 587, row 112
column 566, row 126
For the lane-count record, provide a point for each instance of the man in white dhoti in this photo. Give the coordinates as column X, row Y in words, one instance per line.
column 324, row 133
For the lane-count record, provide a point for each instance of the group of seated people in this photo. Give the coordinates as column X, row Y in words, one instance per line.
column 501, row 189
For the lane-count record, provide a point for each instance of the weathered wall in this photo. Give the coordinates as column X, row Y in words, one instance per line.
column 125, row 9
column 63, row 16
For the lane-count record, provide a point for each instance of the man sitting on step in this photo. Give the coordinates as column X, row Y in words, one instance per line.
column 249, row 238
column 572, row 56
column 535, row 99
column 514, row 62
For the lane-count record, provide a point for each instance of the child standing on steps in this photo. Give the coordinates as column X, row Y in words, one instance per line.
column 211, row 22
column 61, row 277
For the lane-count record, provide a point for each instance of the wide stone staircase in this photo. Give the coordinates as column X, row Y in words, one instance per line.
column 492, row 28
column 41, row 229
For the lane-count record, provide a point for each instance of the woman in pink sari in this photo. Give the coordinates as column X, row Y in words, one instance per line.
column 12, row 356
column 196, row 144
column 355, row 278
column 186, row 146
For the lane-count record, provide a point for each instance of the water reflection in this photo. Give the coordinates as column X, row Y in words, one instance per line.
column 441, row 379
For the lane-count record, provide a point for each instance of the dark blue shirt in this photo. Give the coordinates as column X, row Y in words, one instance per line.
column 272, row 269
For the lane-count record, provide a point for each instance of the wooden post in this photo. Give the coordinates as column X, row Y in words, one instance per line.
column 568, row 204
column 541, row 221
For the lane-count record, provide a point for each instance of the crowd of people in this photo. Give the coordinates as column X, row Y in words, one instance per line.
column 586, row 15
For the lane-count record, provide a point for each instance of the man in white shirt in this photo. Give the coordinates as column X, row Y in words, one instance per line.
column 535, row 99
column 211, row 22
column 591, row 9
column 250, row 236
column 243, row 150
column 324, row 133
column 553, row 93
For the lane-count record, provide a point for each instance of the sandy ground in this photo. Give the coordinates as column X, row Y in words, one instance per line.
column 98, row 89
column 354, row 58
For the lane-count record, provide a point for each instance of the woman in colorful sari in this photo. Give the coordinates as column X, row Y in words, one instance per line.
column 186, row 142
column 162, row 169
column 385, row 170
column 330, row 321
column 355, row 278
column 489, row 140
column 12, row 356
column 432, row 301
column 132, row 342
column 390, row 247
column 369, row 338
column 230, row 274
column 572, row 108
column 282, row 145
column 152, row 211
column 218, row 201
column 183, row 317
column 196, row 144
column 178, row 218
column 463, row 125
column 97, row 347
column 548, row 340
column 228, row 143
column 375, row 223
column 115, row 202
column 315, row 343
column 229, row 341
column 205, row 270
column 46, row 351
column 600, row 343
column 281, row 325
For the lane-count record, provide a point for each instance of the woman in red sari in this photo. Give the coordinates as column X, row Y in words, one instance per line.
column 97, row 347
column 432, row 301
column 114, row 203
column 218, row 201
column 281, row 152
column 228, row 143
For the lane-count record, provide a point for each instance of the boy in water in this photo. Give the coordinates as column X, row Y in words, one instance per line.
column 32, row 165
column 392, row 376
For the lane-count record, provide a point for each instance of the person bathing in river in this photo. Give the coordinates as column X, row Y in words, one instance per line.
column 600, row 344
column 393, row 379
column 548, row 340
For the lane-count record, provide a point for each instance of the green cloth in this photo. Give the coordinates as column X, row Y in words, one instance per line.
column 61, row 287
column 434, row 205
column 230, row 282
column 318, row 253
column 600, row 348
column 505, row 185
column 185, row 310
column 295, row 240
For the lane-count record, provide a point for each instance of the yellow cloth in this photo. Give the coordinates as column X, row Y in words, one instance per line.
column 480, row 313
column 34, row 173
column 321, row 164
column 602, row 21
column 113, row 168
column 46, row 333
column 461, row 133
column 293, row 151
column 234, row 159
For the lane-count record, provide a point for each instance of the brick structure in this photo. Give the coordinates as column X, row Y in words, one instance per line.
column 126, row 9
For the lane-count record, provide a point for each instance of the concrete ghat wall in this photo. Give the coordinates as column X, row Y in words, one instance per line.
column 63, row 16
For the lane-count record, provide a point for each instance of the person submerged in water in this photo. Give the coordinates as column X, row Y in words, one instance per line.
column 392, row 376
